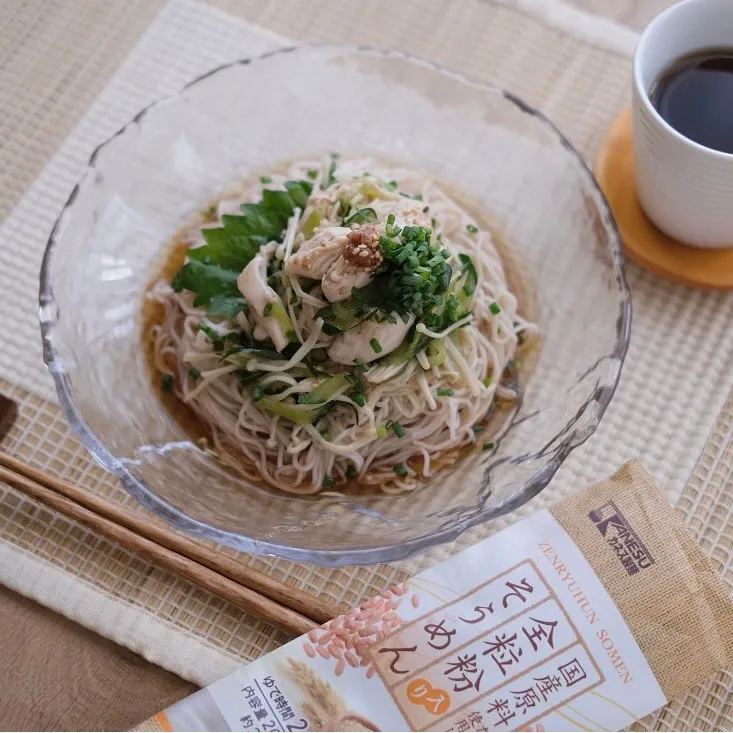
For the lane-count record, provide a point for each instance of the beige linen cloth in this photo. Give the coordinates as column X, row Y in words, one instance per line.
column 72, row 82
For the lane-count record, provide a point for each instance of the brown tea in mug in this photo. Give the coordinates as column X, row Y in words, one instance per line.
column 695, row 97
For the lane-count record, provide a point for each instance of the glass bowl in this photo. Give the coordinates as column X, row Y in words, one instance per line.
column 109, row 240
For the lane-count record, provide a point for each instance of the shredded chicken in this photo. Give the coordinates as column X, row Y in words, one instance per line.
column 252, row 283
column 316, row 255
column 356, row 343
column 354, row 268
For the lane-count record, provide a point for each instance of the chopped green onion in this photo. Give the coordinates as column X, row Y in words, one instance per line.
column 326, row 435
column 167, row 383
column 376, row 346
column 390, row 219
column 401, row 470
column 361, row 365
column 329, row 482
column 351, row 472
column 472, row 228
column 477, row 429
column 418, row 197
column 445, row 392
column 194, row 373
column 312, row 174
column 267, row 310
column 381, row 431
column 257, row 393
column 399, row 431
column 495, row 308
column 360, row 399
column 486, row 382
column 487, row 446
column 392, row 184
column 265, row 179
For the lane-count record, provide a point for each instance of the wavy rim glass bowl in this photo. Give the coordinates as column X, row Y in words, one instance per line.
column 579, row 427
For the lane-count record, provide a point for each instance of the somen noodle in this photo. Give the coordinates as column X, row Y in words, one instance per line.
column 343, row 320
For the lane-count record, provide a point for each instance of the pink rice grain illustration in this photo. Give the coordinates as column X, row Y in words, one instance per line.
column 347, row 638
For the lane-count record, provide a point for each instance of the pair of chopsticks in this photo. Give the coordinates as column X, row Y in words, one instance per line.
column 253, row 591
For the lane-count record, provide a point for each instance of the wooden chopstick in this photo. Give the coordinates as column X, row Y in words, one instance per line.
column 289, row 608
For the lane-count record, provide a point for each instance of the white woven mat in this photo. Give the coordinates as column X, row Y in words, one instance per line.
column 677, row 374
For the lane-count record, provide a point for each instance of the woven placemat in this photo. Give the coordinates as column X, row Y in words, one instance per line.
column 53, row 78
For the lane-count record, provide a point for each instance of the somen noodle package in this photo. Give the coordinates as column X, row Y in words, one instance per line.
column 586, row 616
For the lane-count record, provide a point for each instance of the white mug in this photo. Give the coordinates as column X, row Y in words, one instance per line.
column 685, row 188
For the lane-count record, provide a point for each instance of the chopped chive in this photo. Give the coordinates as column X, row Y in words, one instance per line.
column 335, row 156
column 267, row 310
column 445, row 392
column 418, row 197
column 167, row 383
column 360, row 399
column 390, row 219
column 487, row 446
column 477, row 429
column 312, row 174
column 326, row 435
column 351, row 472
column 381, row 431
column 401, row 470
column 194, row 373
column 328, row 482
column 392, row 184
column 257, row 393
column 399, row 431
column 495, row 308
column 265, row 179
column 360, row 365
column 376, row 346
column 472, row 228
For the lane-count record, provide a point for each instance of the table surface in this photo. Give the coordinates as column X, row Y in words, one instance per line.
column 58, row 675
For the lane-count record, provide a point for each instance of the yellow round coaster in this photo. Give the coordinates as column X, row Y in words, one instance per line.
column 652, row 249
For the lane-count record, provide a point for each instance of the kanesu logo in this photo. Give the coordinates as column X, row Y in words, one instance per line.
column 621, row 538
